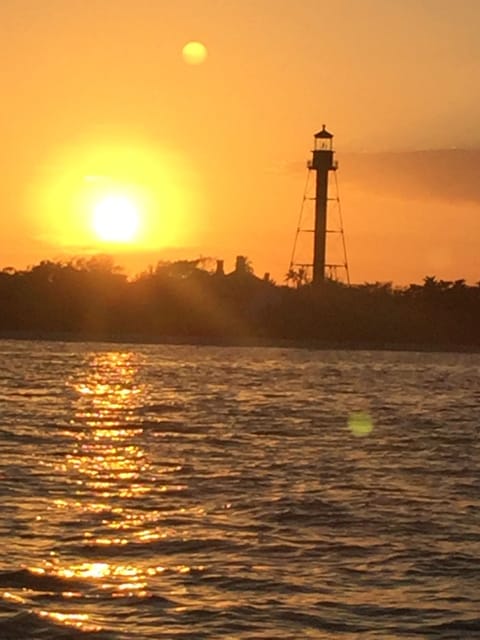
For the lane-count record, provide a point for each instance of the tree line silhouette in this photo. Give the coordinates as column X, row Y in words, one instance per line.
column 90, row 298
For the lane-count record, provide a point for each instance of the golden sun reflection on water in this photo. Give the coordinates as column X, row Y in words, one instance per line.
column 108, row 470
column 108, row 458
column 119, row 512
column 76, row 620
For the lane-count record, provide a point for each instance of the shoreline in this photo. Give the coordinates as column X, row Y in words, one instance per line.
column 274, row 343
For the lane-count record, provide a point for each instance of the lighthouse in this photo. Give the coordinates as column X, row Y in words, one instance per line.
column 322, row 163
column 308, row 264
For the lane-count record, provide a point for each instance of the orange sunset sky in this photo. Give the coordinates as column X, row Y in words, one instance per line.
column 98, row 101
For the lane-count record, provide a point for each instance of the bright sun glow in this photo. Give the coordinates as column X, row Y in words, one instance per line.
column 129, row 196
column 116, row 219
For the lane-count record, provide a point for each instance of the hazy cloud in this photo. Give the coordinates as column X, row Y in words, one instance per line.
column 450, row 175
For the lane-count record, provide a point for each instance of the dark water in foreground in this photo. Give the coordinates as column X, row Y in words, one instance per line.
column 200, row 492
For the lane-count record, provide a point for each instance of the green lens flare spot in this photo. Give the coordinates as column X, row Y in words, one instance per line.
column 360, row 424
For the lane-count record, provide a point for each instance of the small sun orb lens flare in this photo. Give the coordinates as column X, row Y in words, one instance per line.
column 115, row 219
column 194, row 52
column 360, row 424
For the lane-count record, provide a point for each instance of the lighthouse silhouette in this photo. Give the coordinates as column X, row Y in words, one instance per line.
column 322, row 163
column 311, row 266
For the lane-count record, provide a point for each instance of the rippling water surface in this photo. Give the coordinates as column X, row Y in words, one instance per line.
column 201, row 492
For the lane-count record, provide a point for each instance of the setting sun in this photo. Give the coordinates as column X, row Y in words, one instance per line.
column 116, row 219
column 130, row 196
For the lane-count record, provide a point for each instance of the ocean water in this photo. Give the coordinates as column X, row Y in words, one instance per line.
column 213, row 492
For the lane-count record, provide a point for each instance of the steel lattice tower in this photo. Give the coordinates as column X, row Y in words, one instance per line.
column 322, row 165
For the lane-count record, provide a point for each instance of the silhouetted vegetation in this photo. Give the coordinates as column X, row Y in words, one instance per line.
column 92, row 298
